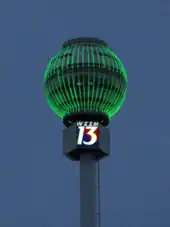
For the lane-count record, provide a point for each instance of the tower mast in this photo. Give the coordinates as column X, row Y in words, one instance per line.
column 85, row 85
column 88, row 156
column 88, row 191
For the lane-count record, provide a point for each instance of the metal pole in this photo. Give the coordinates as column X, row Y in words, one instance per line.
column 87, row 191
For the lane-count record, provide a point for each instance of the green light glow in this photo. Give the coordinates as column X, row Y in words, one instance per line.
column 85, row 77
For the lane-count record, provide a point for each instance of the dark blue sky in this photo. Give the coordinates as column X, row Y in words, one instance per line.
column 38, row 186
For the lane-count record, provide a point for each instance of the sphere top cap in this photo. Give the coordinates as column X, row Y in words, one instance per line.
column 87, row 40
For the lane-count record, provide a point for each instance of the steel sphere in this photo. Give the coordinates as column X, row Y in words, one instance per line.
column 85, row 75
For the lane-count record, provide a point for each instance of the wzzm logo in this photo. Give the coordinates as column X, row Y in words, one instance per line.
column 88, row 133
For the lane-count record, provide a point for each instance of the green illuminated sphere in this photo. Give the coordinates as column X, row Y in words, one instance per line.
column 85, row 76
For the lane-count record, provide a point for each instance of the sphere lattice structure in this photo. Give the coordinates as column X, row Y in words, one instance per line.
column 85, row 76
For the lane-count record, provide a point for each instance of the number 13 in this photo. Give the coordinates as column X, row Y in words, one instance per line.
column 90, row 132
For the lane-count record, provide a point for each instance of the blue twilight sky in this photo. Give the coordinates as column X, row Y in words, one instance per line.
column 38, row 186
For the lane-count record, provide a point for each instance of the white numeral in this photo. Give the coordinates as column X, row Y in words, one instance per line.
column 90, row 132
